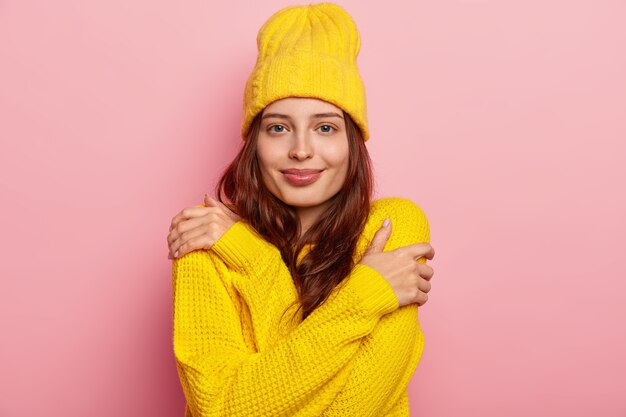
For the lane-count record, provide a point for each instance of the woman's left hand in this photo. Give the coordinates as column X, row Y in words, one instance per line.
column 199, row 227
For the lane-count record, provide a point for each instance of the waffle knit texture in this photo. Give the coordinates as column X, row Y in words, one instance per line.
column 307, row 51
column 352, row 356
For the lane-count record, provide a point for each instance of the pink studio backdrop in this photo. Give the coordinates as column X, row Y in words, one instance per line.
column 504, row 121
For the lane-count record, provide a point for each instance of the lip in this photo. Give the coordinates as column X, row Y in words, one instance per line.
column 301, row 177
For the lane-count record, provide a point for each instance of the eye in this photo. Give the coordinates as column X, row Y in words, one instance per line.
column 277, row 131
column 326, row 131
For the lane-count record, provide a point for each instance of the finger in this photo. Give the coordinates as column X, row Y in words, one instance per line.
column 418, row 250
column 188, row 213
column 199, row 242
column 421, row 298
column 185, row 226
column 425, row 271
column 423, row 285
column 186, row 241
column 380, row 237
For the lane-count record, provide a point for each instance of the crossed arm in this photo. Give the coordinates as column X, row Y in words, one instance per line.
column 314, row 369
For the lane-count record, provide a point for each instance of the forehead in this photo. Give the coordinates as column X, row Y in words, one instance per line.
column 301, row 106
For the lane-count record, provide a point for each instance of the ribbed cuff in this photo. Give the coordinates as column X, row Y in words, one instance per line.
column 372, row 289
column 242, row 247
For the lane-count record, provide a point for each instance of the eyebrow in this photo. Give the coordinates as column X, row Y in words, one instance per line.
column 285, row 116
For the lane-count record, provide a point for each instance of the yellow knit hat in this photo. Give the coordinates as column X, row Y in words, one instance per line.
column 307, row 51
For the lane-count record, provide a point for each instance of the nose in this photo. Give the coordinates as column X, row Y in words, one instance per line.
column 301, row 148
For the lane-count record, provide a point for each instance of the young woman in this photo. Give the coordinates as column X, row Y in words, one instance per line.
column 300, row 296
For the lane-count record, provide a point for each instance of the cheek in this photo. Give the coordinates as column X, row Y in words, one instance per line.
column 338, row 156
column 266, row 173
column 269, row 162
column 263, row 162
column 267, row 156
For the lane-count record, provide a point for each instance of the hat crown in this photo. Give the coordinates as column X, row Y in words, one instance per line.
column 323, row 28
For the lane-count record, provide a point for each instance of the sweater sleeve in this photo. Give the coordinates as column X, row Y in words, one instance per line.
column 387, row 358
column 244, row 250
column 221, row 376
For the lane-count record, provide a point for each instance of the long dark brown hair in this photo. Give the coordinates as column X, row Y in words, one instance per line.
column 335, row 234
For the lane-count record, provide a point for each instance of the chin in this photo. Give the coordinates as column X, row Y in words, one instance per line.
column 303, row 202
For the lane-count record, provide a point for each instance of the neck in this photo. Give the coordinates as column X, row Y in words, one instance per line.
column 308, row 216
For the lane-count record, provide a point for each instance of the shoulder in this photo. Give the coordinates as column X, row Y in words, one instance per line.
column 398, row 207
column 409, row 223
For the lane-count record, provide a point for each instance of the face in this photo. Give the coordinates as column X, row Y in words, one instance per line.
column 303, row 152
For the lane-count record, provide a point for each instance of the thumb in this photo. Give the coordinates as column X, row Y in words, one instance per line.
column 380, row 238
column 210, row 201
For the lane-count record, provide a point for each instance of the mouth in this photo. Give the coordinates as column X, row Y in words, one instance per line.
column 301, row 177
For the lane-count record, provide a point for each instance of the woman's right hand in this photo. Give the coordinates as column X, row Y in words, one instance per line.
column 198, row 227
column 409, row 279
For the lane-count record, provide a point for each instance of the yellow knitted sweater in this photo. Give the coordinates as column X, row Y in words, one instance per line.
column 352, row 356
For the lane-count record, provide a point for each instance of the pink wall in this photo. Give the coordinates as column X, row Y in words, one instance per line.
column 505, row 121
